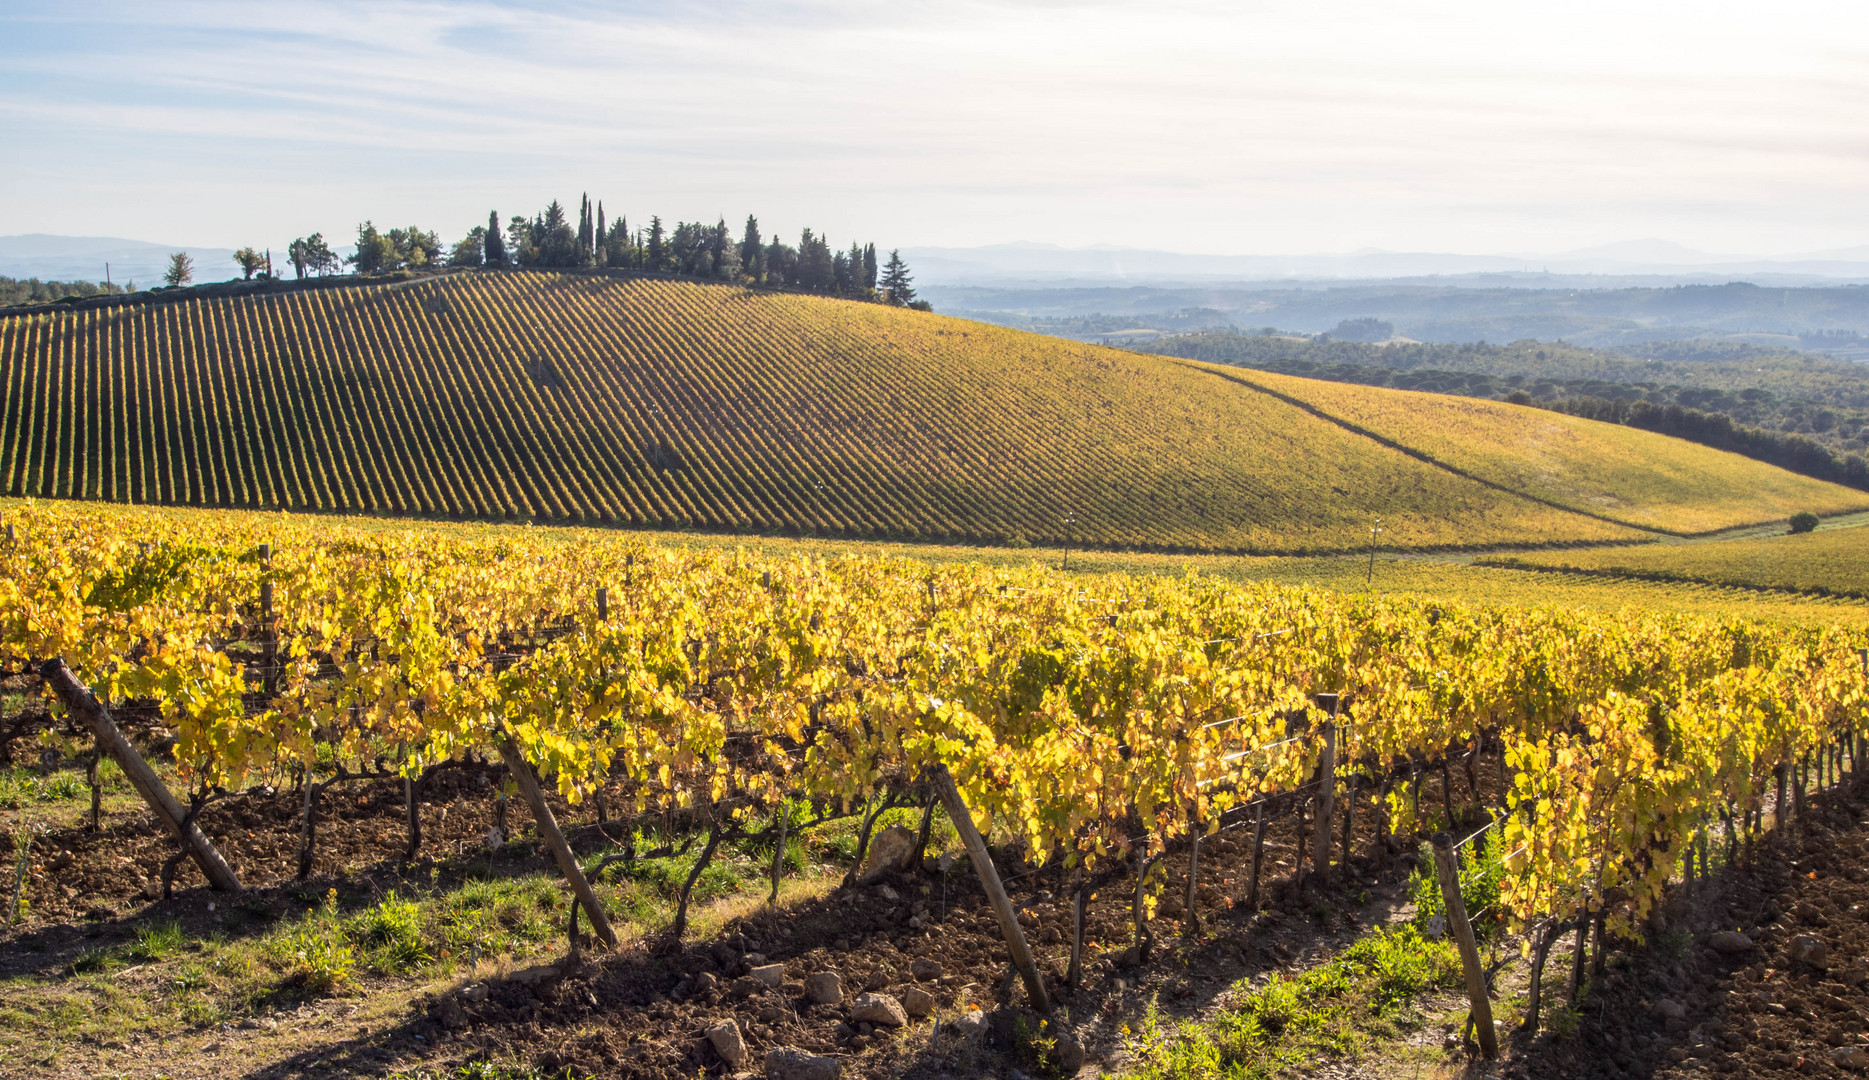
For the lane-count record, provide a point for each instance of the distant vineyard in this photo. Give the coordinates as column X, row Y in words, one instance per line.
column 652, row 403
column 1621, row 473
column 1834, row 562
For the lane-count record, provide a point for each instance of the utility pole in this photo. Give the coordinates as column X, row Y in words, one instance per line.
column 1069, row 520
column 1370, row 579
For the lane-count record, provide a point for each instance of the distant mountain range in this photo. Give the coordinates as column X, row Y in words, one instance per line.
column 1630, row 263
column 89, row 258
column 1635, row 262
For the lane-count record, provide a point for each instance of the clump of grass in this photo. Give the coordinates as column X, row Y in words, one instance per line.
column 1334, row 1009
column 20, row 787
column 392, row 930
column 316, row 954
column 156, row 941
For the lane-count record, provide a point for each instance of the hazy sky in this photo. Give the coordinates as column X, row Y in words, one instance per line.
column 1241, row 127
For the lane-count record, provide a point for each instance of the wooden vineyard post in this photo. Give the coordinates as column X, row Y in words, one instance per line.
column 1258, row 855
column 409, row 794
column 308, row 831
column 1192, row 925
column 1075, row 974
column 1349, row 818
column 778, row 851
column 548, row 827
column 110, row 740
column 269, row 640
column 1326, row 792
column 1457, row 924
column 962, row 817
column 603, row 605
column 1778, row 815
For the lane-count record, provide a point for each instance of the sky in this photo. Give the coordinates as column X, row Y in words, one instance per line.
column 1245, row 127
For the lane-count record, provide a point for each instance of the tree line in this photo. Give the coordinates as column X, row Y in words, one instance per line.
column 549, row 239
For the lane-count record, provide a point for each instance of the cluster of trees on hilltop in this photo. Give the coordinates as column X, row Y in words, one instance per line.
column 17, row 291
column 551, row 240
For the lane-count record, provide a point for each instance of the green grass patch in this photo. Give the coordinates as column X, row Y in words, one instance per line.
column 1365, row 993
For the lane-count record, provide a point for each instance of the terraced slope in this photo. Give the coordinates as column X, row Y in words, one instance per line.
column 574, row 398
column 1619, row 472
column 1831, row 562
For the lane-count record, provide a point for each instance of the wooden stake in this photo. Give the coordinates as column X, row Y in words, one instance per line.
column 1258, row 856
column 548, row 828
column 1349, row 817
column 1457, row 924
column 962, row 818
column 1534, row 992
column 1191, row 926
column 1326, row 792
column 778, row 851
column 415, row 819
column 1074, row 976
column 1576, row 960
column 308, row 831
column 111, row 741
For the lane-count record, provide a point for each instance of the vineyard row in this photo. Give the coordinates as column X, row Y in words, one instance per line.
column 1099, row 727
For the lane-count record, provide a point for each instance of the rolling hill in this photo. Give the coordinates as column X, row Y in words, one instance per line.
column 648, row 402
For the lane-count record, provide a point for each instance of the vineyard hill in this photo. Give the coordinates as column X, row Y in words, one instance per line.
column 634, row 401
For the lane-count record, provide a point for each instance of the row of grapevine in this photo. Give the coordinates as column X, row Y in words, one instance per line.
column 658, row 403
column 1102, row 718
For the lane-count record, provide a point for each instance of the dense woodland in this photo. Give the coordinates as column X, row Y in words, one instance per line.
column 1802, row 412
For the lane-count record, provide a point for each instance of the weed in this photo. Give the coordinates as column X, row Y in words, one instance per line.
column 1482, row 870
column 1332, row 1009
column 393, row 929
column 1563, row 1020
column 156, row 940
column 1036, row 1046
column 315, row 954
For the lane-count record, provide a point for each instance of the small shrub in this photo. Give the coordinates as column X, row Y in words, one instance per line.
column 1482, row 871
column 1803, row 521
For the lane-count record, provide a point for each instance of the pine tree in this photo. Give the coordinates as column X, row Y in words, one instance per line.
column 895, row 281
column 657, row 250
column 181, row 270
column 496, row 244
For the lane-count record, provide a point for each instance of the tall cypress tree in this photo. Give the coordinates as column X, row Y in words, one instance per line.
column 585, row 246
column 597, row 238
column 496, row 244
column 869, row 267
column 753, row 252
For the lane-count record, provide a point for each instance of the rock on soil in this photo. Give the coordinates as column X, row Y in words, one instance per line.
column 824, row 988
column 727, row 1042
column 880, row 1009
column 889, row 852
column 790, row 1063
column 1730, row 943
column 771, row 974
column 916, row 1002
